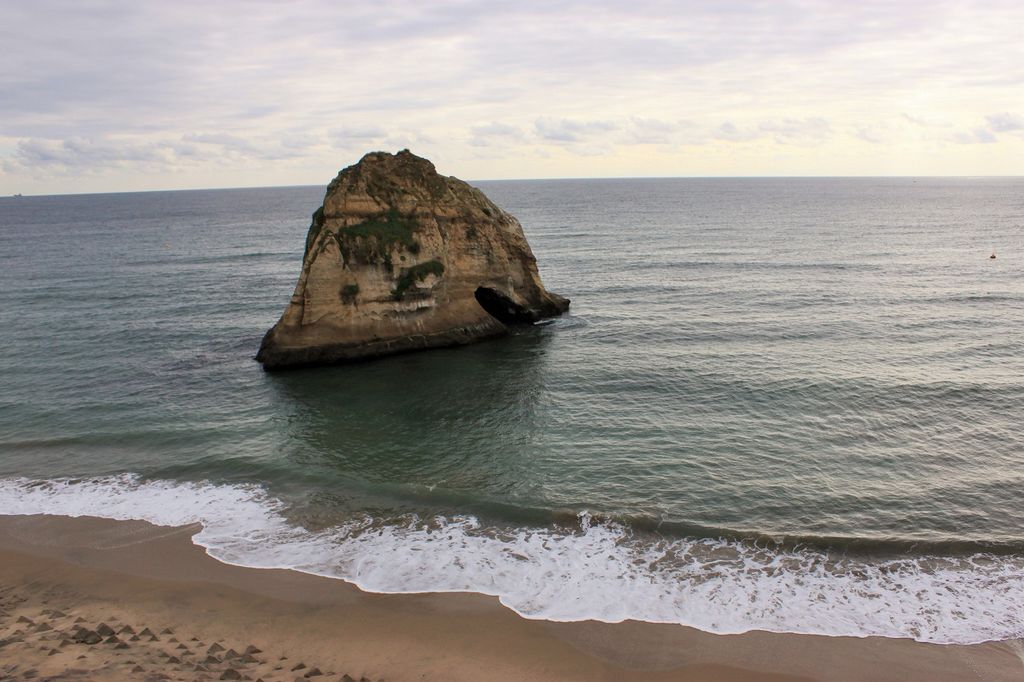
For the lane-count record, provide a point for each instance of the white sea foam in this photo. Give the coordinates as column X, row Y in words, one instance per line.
column 596, row 571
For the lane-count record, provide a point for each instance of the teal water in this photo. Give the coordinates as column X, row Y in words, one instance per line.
column 782, row 404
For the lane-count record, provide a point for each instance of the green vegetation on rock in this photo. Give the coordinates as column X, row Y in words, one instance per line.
column 349, row 292
column 416, row 273
column 374, row 238
column 389, row 229
column 315, row 226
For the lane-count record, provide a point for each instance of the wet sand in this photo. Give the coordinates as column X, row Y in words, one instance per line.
column 93, row 599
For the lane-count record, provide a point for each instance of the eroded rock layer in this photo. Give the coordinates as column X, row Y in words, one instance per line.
column 399, row 258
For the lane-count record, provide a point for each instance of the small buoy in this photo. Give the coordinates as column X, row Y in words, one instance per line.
column 992, row 256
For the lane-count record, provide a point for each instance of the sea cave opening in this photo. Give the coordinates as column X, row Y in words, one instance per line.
column 502, row 308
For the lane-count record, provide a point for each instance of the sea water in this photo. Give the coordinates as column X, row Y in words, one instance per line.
column 793, row 405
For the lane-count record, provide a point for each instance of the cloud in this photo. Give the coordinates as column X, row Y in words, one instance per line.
column 81, row 154
column 813, row 130
column 497, row 130
column 1005, row 123
column 105, row 154
column 569, row 130
column 299, row 141
column 229, row 143
column 976, row 136
column 916, row 120
column 357, row 135
column 871, row 134
column 987, row 133
column 167, row 88
column 805, row 131
column 729, row 132
column 640, row 130
column 235, row 146
column 924, row 121
column 495, row 133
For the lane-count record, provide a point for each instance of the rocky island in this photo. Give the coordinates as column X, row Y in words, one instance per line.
column 399, row 258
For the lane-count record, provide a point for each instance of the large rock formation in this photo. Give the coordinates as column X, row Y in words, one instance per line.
column 399, row 258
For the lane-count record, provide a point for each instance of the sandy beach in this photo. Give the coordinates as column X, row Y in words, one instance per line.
column 88, row 598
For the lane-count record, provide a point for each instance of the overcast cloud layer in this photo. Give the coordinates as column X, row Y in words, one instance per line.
column 108, row 96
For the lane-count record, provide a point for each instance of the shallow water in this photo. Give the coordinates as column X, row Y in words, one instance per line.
column 783, row 404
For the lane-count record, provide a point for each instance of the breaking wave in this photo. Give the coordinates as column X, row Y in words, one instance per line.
column 585, row 570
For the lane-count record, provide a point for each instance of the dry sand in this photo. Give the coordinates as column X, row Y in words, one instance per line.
column 178, row 614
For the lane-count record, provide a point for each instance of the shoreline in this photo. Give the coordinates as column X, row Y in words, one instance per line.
column 715, row 585
column 155, row 576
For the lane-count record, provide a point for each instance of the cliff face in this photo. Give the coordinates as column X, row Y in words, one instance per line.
column 398, row 258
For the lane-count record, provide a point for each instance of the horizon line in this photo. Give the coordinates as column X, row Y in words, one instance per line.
column 545, row 179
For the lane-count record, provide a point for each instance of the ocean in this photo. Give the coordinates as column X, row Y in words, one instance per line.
column 793, row 405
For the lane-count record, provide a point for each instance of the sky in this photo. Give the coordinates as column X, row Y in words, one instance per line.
column 102, row 96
